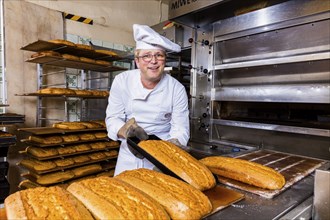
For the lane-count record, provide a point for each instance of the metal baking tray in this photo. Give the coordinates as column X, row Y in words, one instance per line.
column 61, row 62
column 105, row 167
column 5, row 141
column 63, row 96
column 134, row 142
column 67, row 155
column 11, row 118
column 63, row 144
column 292, row 167
column 68, row 167
column 51, row 130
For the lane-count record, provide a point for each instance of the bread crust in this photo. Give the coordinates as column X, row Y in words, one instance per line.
column 87, row 60
column 46, row 53
column 245, row 171
column 84, row 46
column 180, row 162
column 69, row 125
column 110, row 198
column 70, row 57
column 107, row 52
column 42, row 152
column 70, row 138
column 181, row 200
column 58, row 91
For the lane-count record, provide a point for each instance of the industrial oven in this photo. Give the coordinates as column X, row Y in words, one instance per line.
column 260, row 82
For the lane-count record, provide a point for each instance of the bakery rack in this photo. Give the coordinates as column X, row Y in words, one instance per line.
column 6, row 140
column 83, row 104
column 64, row 174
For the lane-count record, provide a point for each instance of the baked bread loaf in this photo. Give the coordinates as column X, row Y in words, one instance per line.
column 62, row 41
column 69, row 125
column 37, row 165
column 70, row 57
column 64, row 162
column 110, row 198
column 100, row 134
column 42, row 152
column 66, row 150
column 54, row 177
column 112, row 144
column 101, row 122
column 82, row 92
column 6, row 134
column 90, row 124
column 81, row 159
column 81, row 147
column 97, row 155
column 70, row 138
column 98, row 145
column 107, row 52
column 46, row 139
column 111, row 153
column 46, row 53
column 85, row 170
column 103, row 62
column 27, row 184
column 87, row 60
column 57, row 91
column 84, row 46
column 53, row 203
column 245, row 171
column 180, row 200
column 87, row 137
column 180, row 162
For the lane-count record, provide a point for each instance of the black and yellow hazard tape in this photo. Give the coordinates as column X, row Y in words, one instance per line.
column 78, row 18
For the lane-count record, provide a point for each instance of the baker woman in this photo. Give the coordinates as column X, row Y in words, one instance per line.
column 147, row 100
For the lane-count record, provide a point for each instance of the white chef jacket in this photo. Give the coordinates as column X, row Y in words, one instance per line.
column 162, row 111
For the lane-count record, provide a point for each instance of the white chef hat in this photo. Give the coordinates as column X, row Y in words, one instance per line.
column 147, row 38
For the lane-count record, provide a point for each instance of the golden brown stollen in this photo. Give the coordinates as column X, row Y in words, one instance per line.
column 181, row 200
column 110, row 198
column 53, row 203
column 46, row 139
column 70, row 138
column 33, row 164
column 42, row 152
column 69, row 125
column 180, row 162
column 245, row 171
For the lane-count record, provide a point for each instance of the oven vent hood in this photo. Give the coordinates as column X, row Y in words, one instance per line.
column 198, row 13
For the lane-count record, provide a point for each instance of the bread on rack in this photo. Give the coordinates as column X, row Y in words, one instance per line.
column 42, row 152
column 46, row 53
column 66, row 150
column 36, row 165
column 87, row 60
column 111, row 153
column 180, row 162
column 98, row 145
column 81, row 147
column 83, row 92
column 62, row 41
column 97, row 155
column 111, row 144
column 57, row 91
column 110, row 198
column 70, row 138
column 54, row 177
column 46, row 139
column 84, row 46
column 101, row 134
column 51, row 203
column 101, row 122
column 245, row 171
column 103, row 62
column 180, row 200
column 87, row 136
column 70, row 57
column 81, row 159
column 69, row 125
column 86, row 170
column 107, row 52
column 63, row 162
column 90, row 124
column 27, row 184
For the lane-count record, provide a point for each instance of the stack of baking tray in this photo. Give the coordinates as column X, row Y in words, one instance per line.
column 6, row 140
column 11, row 118
column 88, row 153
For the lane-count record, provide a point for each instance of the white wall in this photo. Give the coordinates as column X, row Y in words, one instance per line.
column 113, row 19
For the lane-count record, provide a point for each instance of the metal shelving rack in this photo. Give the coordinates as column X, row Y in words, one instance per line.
column 86, row 71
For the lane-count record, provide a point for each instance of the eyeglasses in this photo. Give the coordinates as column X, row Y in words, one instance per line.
column 148, row 57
